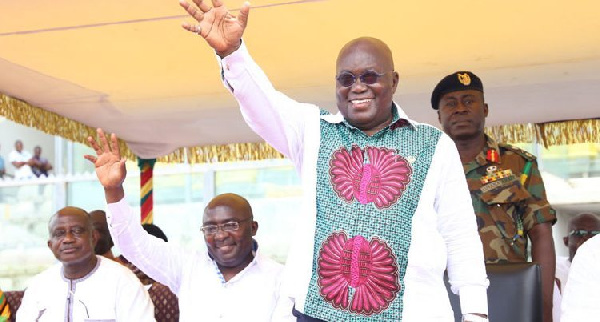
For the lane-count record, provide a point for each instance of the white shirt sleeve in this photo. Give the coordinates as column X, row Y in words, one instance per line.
column 158, row 259
column 458, row 226
column 278, row 119
column 581, row 295
column 30, row 308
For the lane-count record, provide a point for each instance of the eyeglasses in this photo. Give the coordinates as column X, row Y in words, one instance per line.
column 209, row 230
column 369, row 77
column 582, row 232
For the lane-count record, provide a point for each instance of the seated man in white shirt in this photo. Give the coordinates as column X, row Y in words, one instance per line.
column 230, row 281
column 581, row 228
column 581, row 295
column 21, row 160
column 83, row 286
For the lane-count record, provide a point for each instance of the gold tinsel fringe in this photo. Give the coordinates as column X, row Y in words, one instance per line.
column 233, row 152
column 547, row 134
column 54, row 124
column 51, row 123
column 512, row 133
column 568, row 132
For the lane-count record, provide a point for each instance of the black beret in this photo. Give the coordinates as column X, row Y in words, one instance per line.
column 458, row 81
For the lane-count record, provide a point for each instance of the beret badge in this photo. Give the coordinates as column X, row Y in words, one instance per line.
column 457, row 81
column 464, row 79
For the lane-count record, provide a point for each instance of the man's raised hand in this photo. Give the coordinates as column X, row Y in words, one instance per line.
column 221, row 30
column 110, row 167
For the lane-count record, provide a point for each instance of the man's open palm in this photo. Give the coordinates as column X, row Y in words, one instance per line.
column 221, row 30
column 110, row 167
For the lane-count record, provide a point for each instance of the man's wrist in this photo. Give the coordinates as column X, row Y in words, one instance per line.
column 114, row 194
column 230, row 51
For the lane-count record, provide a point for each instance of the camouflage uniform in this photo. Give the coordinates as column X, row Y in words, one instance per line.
column 506, row 209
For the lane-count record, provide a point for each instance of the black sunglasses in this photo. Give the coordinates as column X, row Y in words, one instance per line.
column 369, row 77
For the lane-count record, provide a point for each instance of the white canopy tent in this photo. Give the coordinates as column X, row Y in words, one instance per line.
column 69, row 66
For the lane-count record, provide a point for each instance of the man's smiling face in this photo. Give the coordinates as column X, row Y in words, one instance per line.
column 368, row 107
column 230, row 249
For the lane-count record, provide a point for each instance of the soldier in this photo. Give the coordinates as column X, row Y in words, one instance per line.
column 506, row 188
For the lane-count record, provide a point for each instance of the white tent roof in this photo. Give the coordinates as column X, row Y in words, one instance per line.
column 130, row 68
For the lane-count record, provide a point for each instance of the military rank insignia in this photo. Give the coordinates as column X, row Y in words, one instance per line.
column 493, row 174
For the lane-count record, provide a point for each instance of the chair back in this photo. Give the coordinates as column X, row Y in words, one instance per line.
column 166, row 304
column 514, row 294
column 13, row 299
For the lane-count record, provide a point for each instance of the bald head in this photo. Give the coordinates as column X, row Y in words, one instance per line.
column 233, row 201
column 70, row 211
column 581, row 228
column 370, row 44
column 583, row 220
column 98, row 216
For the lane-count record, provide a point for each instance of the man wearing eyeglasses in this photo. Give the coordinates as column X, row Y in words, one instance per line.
column 580, row 228
column 231, row 281
column 83, row 286
column 386, row 206
column 506, row 187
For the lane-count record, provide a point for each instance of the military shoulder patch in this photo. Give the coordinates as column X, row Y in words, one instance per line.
column 526, row 155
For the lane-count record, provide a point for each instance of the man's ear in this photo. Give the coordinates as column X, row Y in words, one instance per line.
column 485, row 109
column 49, row 244
column 566, row 241
column 254, row 228
column 395, row 81
column 439, row 116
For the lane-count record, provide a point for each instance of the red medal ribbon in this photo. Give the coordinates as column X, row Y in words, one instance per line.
column 492, row 155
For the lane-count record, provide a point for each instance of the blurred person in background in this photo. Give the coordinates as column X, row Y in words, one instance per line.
column 105, row 243
column 40, row 165
column 2, row 167
column 581, row 228
column 21, row 160
column 581, row 295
